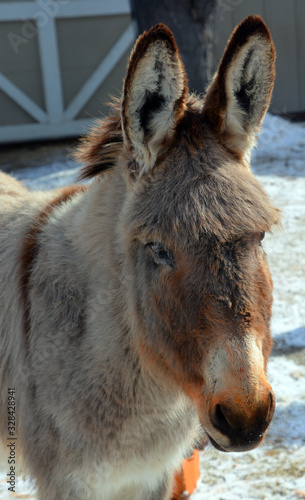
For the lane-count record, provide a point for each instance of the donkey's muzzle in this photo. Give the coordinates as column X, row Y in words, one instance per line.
column 238, row 428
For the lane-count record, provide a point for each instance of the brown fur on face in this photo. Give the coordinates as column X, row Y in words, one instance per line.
column 138, row 307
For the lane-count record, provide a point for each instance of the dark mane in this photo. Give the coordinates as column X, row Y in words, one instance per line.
column 100, row 149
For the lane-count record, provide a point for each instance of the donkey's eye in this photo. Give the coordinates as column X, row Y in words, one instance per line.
column 161, row 254
column 262, row 236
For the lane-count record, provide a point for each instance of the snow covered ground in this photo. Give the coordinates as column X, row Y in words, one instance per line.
column 276, row 470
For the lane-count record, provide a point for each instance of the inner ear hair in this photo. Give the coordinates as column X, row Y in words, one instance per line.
column 250, row 82
column 240, row 93
column 154, row 95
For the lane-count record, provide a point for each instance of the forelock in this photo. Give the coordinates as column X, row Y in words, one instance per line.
column 204, row 192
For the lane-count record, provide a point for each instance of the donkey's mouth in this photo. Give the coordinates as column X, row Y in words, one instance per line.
column 241, row 444
column 216, row 445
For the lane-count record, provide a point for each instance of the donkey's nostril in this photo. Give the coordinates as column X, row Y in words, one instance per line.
column 220, row 421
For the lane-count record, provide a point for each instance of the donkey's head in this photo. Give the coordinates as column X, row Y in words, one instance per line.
column 199, row 291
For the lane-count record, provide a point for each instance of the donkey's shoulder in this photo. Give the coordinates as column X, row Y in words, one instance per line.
column 9, row 186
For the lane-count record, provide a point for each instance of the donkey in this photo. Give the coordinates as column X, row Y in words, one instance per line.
column 135, row 309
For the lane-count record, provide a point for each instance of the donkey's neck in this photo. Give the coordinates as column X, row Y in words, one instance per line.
column 91, row 224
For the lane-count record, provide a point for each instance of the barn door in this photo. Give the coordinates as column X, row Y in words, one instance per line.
column 59, row 61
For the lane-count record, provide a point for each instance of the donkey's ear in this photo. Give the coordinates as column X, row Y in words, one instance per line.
column 154, row 94
column 240, row 93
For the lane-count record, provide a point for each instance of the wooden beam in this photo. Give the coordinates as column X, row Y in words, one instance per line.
column 100, row 74
column 38, row 9
column 38, row 131
column 50, row 66
column 22, row 99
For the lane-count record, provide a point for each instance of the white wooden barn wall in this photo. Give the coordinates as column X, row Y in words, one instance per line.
column 57, row 55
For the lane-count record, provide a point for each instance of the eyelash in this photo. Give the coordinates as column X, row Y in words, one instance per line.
column 161, row 254
column 262, row 236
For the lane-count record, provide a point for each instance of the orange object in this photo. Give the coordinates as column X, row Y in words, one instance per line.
column 186, row 479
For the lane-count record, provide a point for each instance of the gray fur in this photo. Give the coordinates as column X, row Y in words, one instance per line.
column 122, row 357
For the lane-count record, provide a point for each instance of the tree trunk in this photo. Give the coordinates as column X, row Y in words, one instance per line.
column 192, row 23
